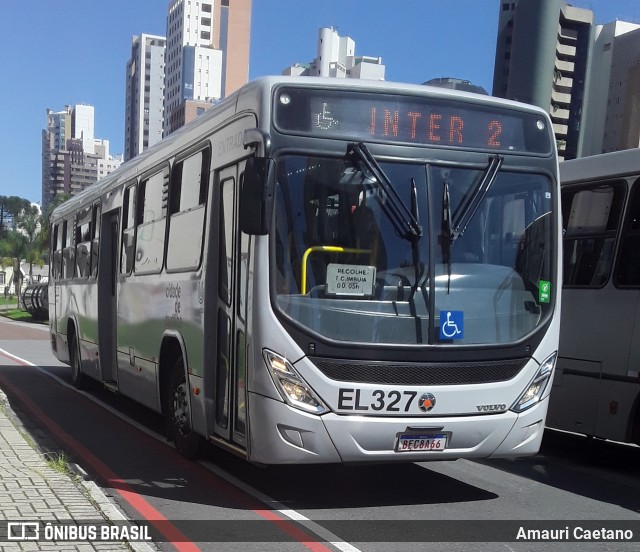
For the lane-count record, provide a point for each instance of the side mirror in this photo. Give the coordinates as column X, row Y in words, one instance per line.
column 256, row 196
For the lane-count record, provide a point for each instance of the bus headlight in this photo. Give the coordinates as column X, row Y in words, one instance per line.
column 534, row 392
column 291, row 386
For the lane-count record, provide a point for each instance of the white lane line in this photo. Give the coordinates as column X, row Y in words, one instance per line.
column 322, row 532
column 271, row 504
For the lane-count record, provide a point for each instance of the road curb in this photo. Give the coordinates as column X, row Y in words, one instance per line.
column 104, row 506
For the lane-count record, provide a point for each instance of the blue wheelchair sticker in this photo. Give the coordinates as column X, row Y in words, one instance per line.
column 451, row 324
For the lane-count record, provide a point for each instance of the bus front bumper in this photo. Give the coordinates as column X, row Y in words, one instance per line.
column 284, row 435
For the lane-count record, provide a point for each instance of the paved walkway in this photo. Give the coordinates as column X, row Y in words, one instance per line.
column 32, row 490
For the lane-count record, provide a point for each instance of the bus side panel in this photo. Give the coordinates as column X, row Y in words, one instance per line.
column 574, row 397
column 595, row 339
column 61, row 321
column 86, row 317
column 616, row 409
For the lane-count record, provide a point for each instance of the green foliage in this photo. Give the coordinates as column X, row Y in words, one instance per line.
column 21, row 240
column 45, row 230
column 17, row 314
column 10, row 207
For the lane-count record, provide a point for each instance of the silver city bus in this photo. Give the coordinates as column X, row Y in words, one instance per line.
column 596, row 391
column 320, row 270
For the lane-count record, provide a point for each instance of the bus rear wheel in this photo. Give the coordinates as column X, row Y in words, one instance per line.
column 78, row 379
column 179, row 429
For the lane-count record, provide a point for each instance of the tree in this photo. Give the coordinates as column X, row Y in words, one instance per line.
column 10, row 206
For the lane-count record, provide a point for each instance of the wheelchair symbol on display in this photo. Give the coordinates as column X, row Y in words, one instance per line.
column 453, row 326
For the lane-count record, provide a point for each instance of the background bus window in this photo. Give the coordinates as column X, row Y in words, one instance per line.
column 68, row 250
column 505, row 227
column 628, row 269
column 187, row 199
column 128, row 231
column 151, row 222
column 590, row 220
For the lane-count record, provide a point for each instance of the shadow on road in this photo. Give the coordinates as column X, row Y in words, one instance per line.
column 596, row 469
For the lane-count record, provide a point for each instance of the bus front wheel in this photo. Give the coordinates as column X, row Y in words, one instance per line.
column 179, row 430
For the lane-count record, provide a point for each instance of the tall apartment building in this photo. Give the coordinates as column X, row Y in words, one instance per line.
column 231, row 33
column 82, row 125
column 207, row 55
column 72, row 158
column 337, row 58
column 542, row 54
column 612, row 116
column 144, row 94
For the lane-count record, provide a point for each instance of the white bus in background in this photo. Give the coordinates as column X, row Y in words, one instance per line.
column 321, row 270
column 596, row 390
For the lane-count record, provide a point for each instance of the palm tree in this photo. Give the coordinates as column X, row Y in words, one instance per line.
column 12, row 250
column 28, row 224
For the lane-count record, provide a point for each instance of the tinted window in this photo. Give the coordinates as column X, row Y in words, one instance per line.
column 590, row 219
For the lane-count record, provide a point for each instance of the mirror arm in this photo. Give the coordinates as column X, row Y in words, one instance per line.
column 258, row 138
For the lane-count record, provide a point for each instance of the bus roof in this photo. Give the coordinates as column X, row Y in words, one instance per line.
column 252, row 94
column 604, row 165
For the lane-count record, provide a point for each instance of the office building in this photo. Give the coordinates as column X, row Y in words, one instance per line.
column 144, row 94
column 231, row 34
column 542, row 54
column 72, row 158
column 207, row 55
column 612, row 115
column 336, row 58
column 82, row 125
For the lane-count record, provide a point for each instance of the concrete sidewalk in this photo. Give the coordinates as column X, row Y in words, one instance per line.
column 31, row 490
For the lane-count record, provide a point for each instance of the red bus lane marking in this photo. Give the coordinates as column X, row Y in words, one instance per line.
column 175, row 536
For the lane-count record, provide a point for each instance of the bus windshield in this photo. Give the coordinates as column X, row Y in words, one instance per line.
column 344, row 270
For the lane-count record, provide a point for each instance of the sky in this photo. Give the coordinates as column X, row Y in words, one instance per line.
column 57, row 53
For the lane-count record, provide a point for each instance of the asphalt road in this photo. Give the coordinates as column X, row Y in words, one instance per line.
column 222, row 503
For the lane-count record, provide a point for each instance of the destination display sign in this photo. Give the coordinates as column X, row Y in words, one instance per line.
column 410, row 119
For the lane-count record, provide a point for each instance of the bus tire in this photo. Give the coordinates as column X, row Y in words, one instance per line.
column 179, row 430
column 78, row 379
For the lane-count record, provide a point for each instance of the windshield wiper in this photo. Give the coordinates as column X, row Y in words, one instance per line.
column 446, row 233
column 404, row 222
column 465, row 211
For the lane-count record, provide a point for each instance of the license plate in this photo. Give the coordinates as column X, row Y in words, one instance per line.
column 421, row 443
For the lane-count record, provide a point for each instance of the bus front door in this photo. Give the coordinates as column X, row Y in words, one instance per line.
column 229, row 253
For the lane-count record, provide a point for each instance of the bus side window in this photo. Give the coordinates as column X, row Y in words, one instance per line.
column 590, row 222
column 151, row 222
column 68, row 250
column 628, row 269
column 128, row 230
column 187, row 205
column 95, row 238
column 83, row 243
column 56, row 248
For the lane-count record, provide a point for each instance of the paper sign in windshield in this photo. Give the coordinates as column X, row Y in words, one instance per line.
column 343, row 279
